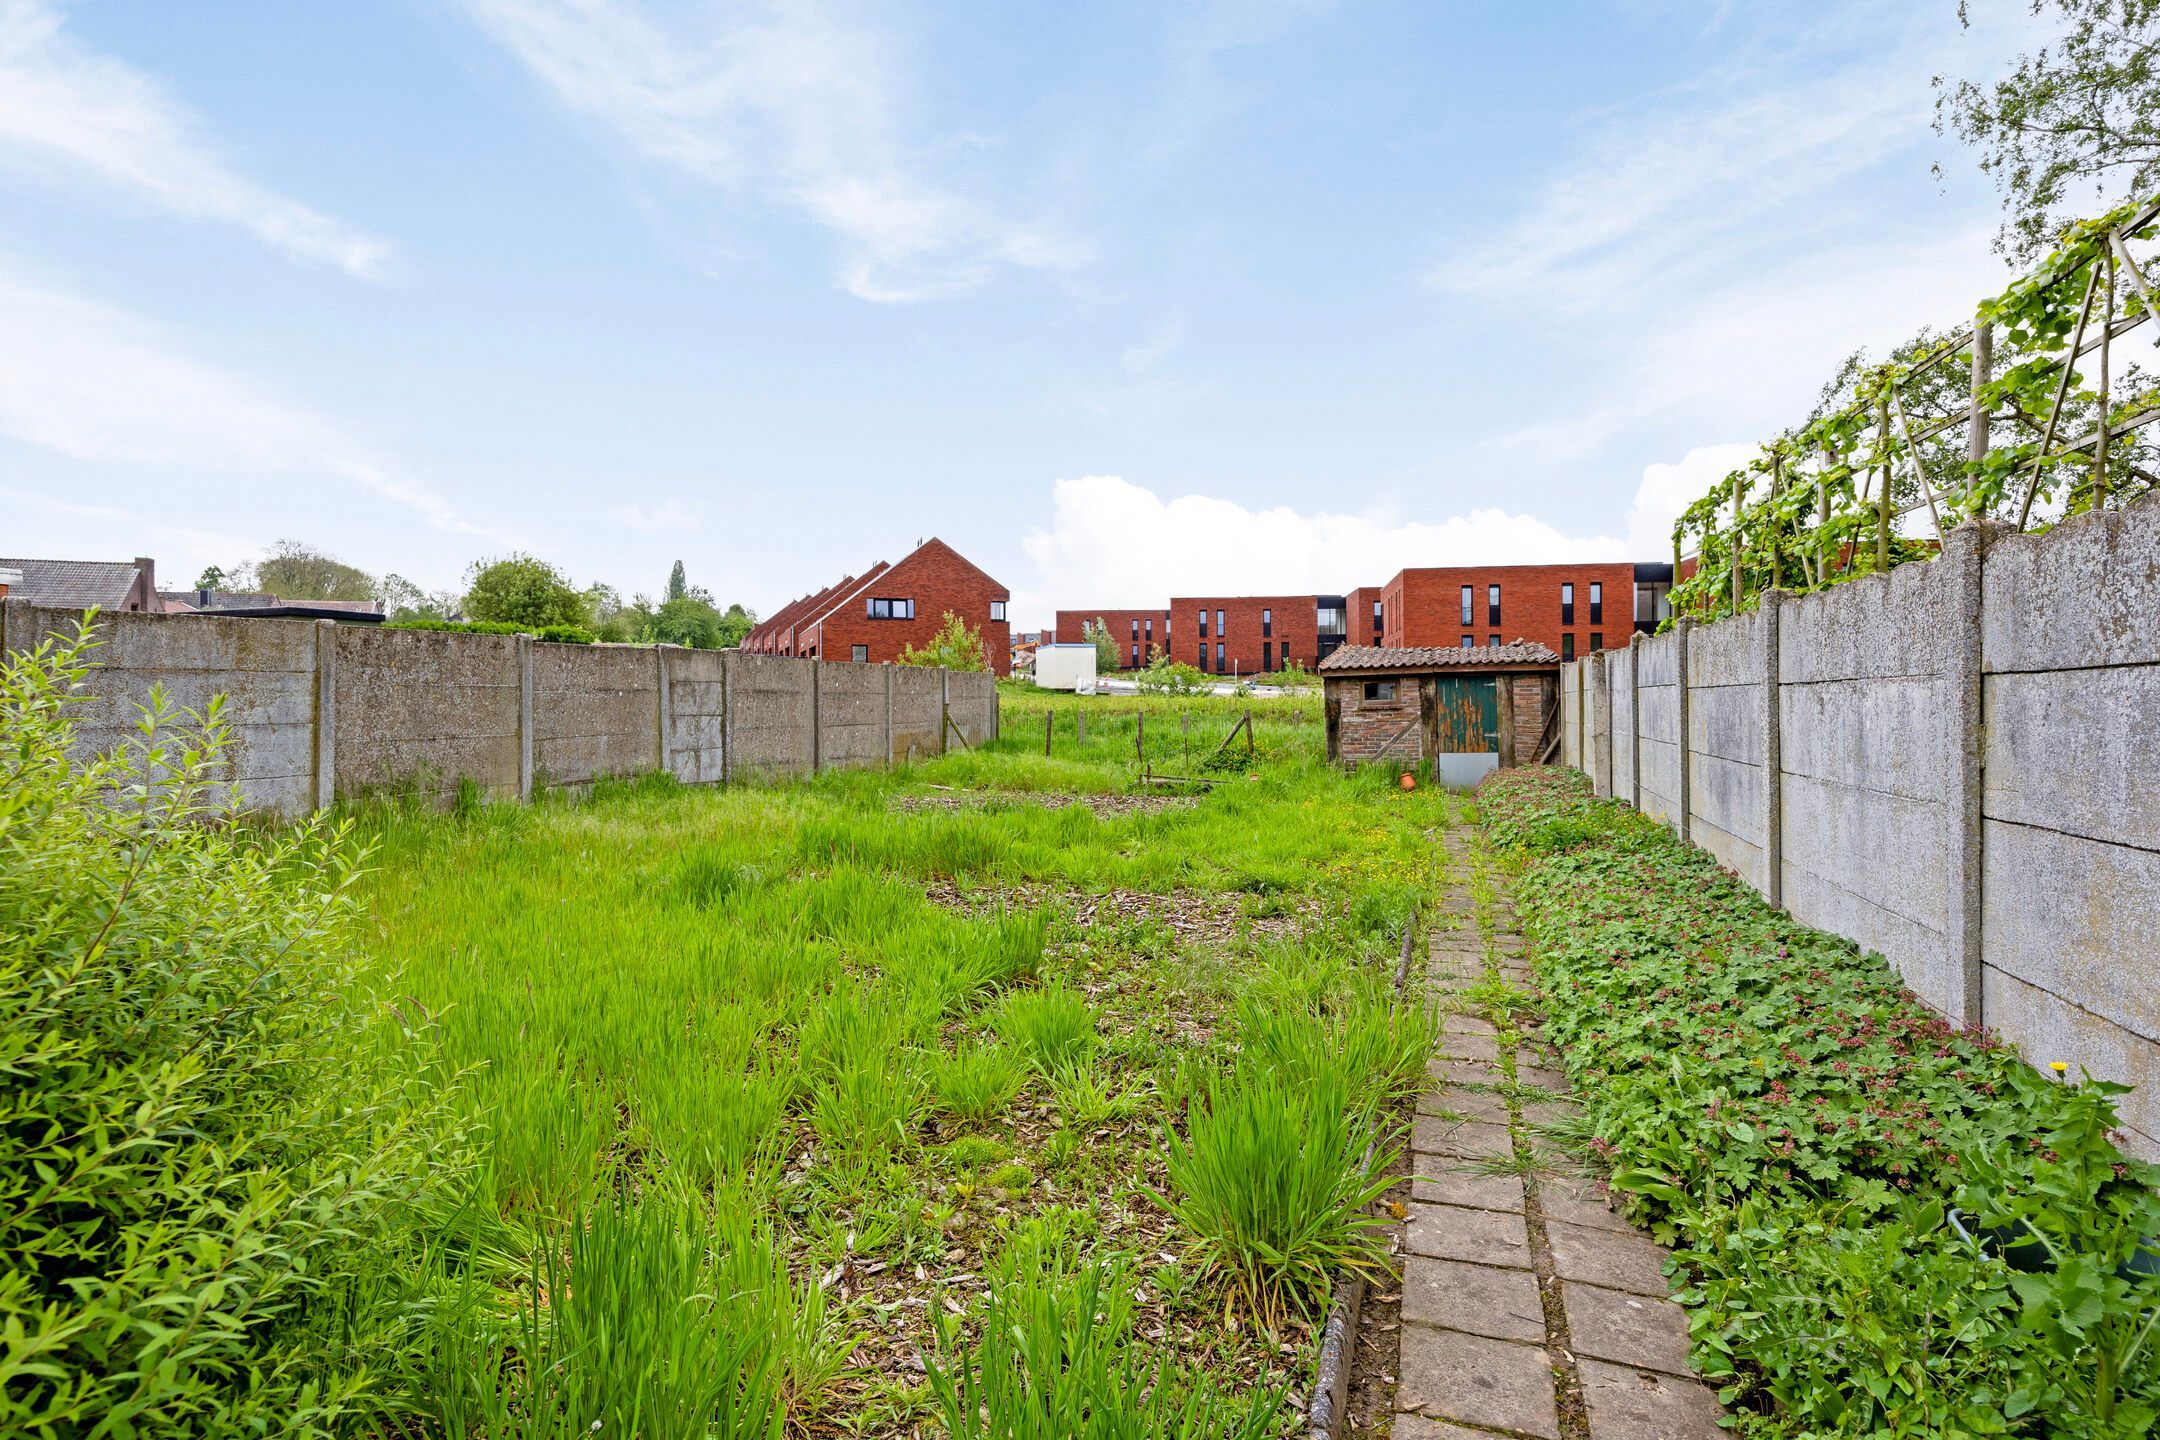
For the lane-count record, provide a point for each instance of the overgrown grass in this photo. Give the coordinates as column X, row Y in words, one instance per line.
column 1778, row 1106
column 863, row 1012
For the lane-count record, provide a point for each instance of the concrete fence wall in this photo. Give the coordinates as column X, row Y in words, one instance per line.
column 322, row 712
column 1956, row 765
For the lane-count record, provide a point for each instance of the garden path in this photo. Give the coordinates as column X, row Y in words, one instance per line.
column 1528, row 1307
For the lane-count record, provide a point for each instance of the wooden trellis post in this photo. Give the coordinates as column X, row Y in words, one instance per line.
column 1882, row 499
column 1983, row 366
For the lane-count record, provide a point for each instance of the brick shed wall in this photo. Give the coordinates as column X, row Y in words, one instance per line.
column 1363, row 728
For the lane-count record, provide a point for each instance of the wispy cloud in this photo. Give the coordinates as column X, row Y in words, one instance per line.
column 94, row 382
column 668, row 515
column 793, row 103
column 69, row 112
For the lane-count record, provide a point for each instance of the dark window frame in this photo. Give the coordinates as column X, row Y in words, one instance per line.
column 891, row 607
column 1492, row 604
column 859, row 654
column 1567, row 647
column 1567, row 603
column 1469, row 603
column 1379, row 689
column 1597, row 602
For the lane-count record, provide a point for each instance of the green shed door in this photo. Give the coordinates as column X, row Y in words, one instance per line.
column 1467, row 728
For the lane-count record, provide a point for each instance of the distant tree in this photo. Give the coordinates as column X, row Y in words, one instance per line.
column 523, row 590
column 402, row 600
column 955, row 646
column 1106, row 651
column 735, row 625
column 686, row 620
column 678, row 584
column 212, row 578
column 300, row 572
column 2080, row 115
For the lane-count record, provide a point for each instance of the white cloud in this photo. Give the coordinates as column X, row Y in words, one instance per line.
column 93, row 382
column 794, row 100
column 667, row 515
column 1113, row 543
column 69, row 111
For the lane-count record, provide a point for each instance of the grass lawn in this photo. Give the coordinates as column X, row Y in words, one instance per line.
column 886, row 1101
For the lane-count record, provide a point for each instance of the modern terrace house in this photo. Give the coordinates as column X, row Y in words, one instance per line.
column 871, row 618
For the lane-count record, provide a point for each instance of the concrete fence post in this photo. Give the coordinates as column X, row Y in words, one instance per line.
column 660, row 707
column 1634, row 703
column 727, row 718
column 1773, row 755
column 1683, row 741
column 1962, row 568
column 944, row 678
column 525, row 716
column 11, row 622
column 325, row 713
column 887, row 668
column 817, row 716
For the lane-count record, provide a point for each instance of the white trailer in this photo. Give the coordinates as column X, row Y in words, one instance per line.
column 1065, row 667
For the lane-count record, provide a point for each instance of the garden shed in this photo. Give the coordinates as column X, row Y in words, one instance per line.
column 1466, row 711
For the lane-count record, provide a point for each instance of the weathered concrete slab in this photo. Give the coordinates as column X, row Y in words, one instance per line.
column 1460, row 1139
column 1618, row 1261
column 1630, row 1404
column 1633, row 1330
column 2074, row 751
column 1497, row 1384
column 1481, row 1237
column 1475, row 1299
column 1453, row 1183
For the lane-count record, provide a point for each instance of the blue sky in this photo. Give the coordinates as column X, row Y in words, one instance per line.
column 1120, row 299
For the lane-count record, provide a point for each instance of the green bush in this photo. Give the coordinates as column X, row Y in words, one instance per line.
column 1778, row 1106
column 215, row 1138
column 1164, row 676
column 457, row 627
column 565, row 635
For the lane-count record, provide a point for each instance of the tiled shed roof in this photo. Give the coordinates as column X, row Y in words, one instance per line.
column 1427, row 657
column 74, row 584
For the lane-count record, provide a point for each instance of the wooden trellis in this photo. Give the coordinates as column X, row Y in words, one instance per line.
column 1823, row 502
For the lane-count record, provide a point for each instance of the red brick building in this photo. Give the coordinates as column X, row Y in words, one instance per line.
column 1139, row 633
column 1363, row 615
column 1252, row 634
column 873, row 617
column 1569, row 609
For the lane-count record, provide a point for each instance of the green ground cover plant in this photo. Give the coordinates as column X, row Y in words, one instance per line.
column 1778, row 1107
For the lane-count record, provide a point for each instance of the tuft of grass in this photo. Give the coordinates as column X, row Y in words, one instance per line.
column 1052, row 1027
column 975, row 1080
column 1272, row 1184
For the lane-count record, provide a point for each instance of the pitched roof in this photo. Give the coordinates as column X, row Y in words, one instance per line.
column 1428, row 657
column 73, row 584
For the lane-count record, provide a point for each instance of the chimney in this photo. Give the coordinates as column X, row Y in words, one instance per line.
column 202, row 597
column 146, row 576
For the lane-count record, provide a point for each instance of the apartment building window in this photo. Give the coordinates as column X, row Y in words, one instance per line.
column 1203, row 624
column 1151, row 629
column 1379, row 689
column 1136, row 657
column 1267, row 655
column 889, row 609
column 1597, row 603
column 997, row 610
column 1469, row 598
column 1378, row 611
column 1492, row 640
column 1567, row 647
column 1567, row 604
column 1220, row 628
column 1597, row 642
column 1492, row 605
column 1136, row 630
column 1469, row 642
column 1203, row 655
column 860, row 654
column 1218, row 656
column 1267, row 621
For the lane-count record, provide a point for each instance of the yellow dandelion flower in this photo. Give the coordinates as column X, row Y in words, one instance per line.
column 2058, row 1066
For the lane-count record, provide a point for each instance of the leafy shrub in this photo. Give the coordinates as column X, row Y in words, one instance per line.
column 1780, row 1107
column 524, row 590
column 1164, row 676
column 1051, row 1027
column 214, row 1143
column 956, row 646
column 1056, row 1362
column 1272, row 1185
column 456, row 627
column 565, row 635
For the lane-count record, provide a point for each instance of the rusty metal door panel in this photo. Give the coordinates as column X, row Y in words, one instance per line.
column 1469, row 716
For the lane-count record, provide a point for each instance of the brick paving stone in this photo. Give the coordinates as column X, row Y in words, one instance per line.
column 1629, row 1404
column 1616, row 1260
column 1485, row 1105
column 1464, row 1072
column 1476, row 1299
column 1459, row 1185
column 1463, row 1139
column 1577, row 1202
column 1626, row 1329
column 1497, row 1384
column 1483, row 1237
